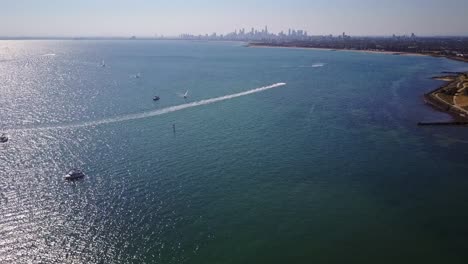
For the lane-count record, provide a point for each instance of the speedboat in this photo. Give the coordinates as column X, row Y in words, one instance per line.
column 74, row 175
column 156, row 98
column 3, row 138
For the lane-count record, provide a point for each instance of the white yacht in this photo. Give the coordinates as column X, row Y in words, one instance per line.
column 74, row 175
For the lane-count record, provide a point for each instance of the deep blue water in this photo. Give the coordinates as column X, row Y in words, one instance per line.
column 330, row 168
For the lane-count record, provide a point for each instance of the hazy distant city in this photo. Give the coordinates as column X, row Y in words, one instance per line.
column 253, row 35
column 453, row 47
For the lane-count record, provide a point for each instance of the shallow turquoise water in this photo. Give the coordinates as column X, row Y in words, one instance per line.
column 330, row 168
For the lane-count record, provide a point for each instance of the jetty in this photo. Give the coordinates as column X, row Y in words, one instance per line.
column 449, row 123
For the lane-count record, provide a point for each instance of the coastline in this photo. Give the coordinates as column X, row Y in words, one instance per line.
column 249, row 45
column 371, row 51
column 451, row 97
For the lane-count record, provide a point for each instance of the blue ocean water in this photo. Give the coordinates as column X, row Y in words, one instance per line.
column 329, row 168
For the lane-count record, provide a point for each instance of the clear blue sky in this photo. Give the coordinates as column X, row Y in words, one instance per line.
column 172, row 17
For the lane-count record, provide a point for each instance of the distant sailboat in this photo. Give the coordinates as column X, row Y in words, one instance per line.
column 137, row 75
column 184, row 95
column 103, row 64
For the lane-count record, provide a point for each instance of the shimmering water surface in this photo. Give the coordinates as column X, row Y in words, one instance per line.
column 329, row 168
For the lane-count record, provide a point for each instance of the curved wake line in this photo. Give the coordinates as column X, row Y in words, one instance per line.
column 151, row 113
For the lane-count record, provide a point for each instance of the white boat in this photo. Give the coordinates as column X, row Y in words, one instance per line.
column 74, row 175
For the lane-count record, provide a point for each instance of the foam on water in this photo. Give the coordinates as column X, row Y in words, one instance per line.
column 151, row 113
column 315, row 65
column 318, row 65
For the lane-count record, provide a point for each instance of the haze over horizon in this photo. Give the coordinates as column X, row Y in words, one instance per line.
column 146, row 18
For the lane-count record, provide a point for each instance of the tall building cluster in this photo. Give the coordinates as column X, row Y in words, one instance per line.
column 252, row 35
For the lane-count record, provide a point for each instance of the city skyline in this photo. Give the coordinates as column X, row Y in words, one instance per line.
column 254, row 34
column 145, row 18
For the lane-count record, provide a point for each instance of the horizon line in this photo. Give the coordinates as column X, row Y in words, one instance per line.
column 178, row 37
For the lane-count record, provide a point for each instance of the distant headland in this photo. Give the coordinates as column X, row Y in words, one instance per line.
column 451, row 97
column 455, row 48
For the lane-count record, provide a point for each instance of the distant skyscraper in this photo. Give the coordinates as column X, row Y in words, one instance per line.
column 253, row 35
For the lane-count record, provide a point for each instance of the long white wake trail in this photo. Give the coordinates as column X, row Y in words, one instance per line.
column 155, row 112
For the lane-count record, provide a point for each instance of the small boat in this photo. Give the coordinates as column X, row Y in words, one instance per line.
column 3, row 138
column 156, row 98
column 138, row 75
column 184, row 95
column 74, row 175
column 103, row 64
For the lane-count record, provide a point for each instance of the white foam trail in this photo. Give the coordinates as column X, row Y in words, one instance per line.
column 152, row 113
column 48, row 54
column 317, row 65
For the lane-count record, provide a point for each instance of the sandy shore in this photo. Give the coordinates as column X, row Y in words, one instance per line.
column 340, row 50
column 364, row 51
